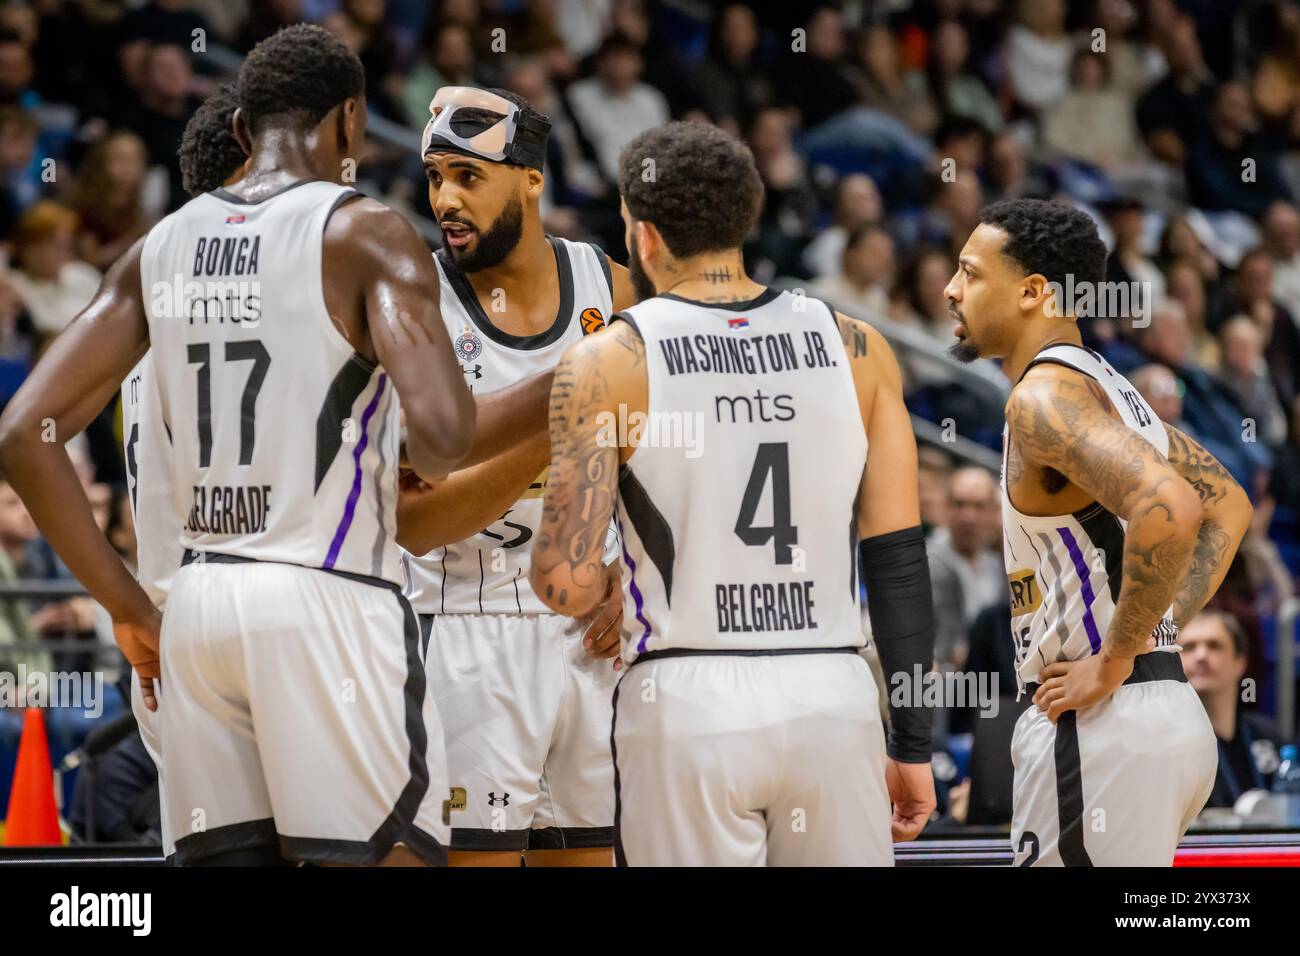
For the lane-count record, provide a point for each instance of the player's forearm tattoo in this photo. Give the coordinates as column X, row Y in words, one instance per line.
column 582, row 482
column 1214, row 545
column 1062, row 424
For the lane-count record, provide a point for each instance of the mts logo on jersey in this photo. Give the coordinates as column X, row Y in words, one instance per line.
column 1025, row 595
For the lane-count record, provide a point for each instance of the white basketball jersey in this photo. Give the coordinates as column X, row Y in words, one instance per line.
column 737, row 510
column 489, row 572
column 1065, row 571
column 148, row 450
column 284, row 439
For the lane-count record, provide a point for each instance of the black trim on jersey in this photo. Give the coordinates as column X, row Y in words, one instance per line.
column 519, row 608
column 654, row 531
column 193, row 848
column 342, row 198
column 1053, row 360
column 620, row 858
column 667, row 652
column 624, row 317
column 460, row 284
column 343, row 393
column 225, row 195
column 855, row 552
column 570, row 838
column 1104, row 530
column 444, row 579
column 763, row 298
column 486, row 840
column 604, row 267
column 1069, row 791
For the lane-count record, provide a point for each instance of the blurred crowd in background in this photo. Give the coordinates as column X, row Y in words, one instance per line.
column 879, row 129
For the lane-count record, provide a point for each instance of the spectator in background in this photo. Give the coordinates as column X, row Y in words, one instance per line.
column 614, row 106
column 953, row 88
column 1185, row 286
column 1215, row 658
column 166, row 102
column 919, row 298
column 663, row 68
column 446, row 59
column 1037, row 54
column 966, row 574
column 1008, row 173
column 884, row 86
column 360, row 25
column 1093, row 122
column 789, row 203
column 1216, row 161
column 108, row 197
column 1128, row 263
column 866, row 275
column 266, row 17
column 1276, row 85
column 1182, row 241
column 170, row 23
column 1253, row 296
column 1245, row 373
column 20, row 170
column 857, row 204
column 732, row 82
column 816, row 81
column 1131, row 66
column 17, row 340
column 1282, row 240
column 52, row 283
column 1171, row 114
column 934, row 471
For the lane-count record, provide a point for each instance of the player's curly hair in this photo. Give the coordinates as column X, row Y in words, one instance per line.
column 297, row 75
column 209, row 153
column 1049, row 238
column 697, row 185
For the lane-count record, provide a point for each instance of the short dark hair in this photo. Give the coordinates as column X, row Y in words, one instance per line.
column 209, row 153
column 705, row 192
column 1049, row 238
column 298, row 73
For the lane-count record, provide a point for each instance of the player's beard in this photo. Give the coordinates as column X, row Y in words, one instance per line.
column 495, row 244
column 963, row 350
column 641, row 284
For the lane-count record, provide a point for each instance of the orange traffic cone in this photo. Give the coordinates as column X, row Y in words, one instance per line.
column 33, row 819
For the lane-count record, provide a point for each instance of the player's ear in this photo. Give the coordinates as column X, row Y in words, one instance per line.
column 239, row 129
column 349, row 131
column 534, row 182
column 1035, row 293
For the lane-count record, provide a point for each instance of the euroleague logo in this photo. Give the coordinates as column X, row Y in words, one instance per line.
column 592, row 321
column 469, row 346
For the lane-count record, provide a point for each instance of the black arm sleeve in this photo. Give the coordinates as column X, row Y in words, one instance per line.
column 897, row 576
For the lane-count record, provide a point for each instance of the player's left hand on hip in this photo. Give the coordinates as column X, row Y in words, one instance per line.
column 1077, row 685
column 911, row 791
column 606, row 626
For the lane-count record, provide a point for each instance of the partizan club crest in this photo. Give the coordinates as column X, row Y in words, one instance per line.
column 469, row 346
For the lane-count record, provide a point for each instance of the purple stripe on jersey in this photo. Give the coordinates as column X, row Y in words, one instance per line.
column 1085, row 586
column 636, row 591
column 351, row 507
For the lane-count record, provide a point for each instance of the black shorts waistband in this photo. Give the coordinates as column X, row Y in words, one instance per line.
column 1156, row 665
column 741, row 652
column 215, row 557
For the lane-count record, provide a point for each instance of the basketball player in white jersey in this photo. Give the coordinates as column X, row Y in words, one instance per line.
column 210, row 157
column 297, row 723
column 524, row 694
column 746, row 727
column 1117, row 529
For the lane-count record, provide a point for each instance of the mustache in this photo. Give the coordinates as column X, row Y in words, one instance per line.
column 453, row 218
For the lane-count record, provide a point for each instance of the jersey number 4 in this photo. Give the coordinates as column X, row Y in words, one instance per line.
column 773, row 459
column 250, row 350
